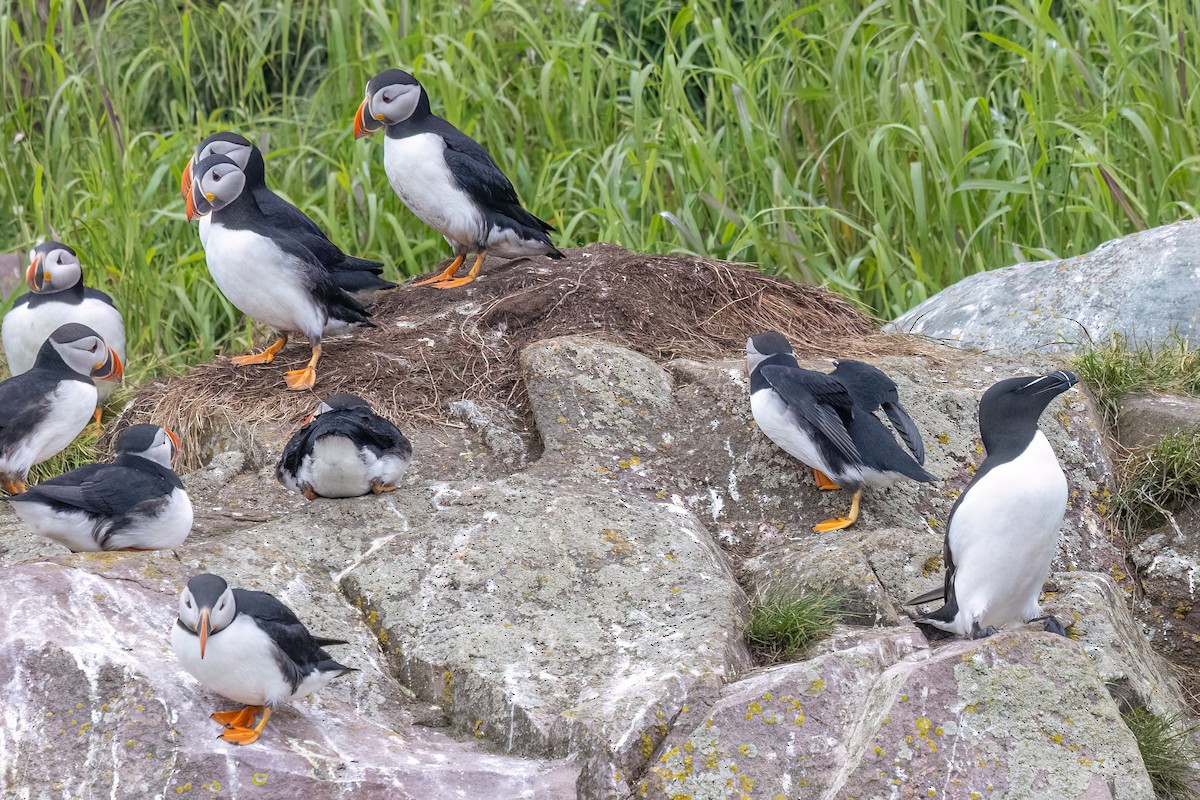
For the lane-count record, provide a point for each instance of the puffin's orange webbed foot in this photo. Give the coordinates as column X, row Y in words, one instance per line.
column 379, row 488
column 824, row 482
column 445, row 274
column 300, row 379
column 470, row 276
column 837, row 523
column 265, row 357
column 242, row 718
column 247, row 735
column 13, row 487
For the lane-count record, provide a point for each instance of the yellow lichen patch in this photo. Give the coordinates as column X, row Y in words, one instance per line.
column 1057, row 738
column 817, row 685
column 448, row 686
column 647, row 745
column 943, row 437
column 748, row 750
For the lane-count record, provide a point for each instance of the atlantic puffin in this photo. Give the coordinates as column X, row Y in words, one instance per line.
column 827, row 421
column 265, row 271
column 135, row 503
column 344, row 450
column 251, row 648
column 45, row 408
column 351, row 274
column 447, row 179
column 57, row 296
column 1003, row 529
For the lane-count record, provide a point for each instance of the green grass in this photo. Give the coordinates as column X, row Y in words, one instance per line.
column 1168, row 749
column 1159, row 482
column 885, row 148
column 783, row 625
column 1118, row 368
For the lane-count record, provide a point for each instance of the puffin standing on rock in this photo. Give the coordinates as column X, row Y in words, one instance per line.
column 827, row 422
column 1003, row 529
column 350, row 273
column 251, row 648
column 57, row 296
column 447, row 179
column 135, row 503
column 344, row 450
column 265, row 270
column 44, row 409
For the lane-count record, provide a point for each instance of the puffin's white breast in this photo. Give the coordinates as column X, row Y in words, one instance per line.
column 70, row 408
column 780, row 425
column 166, row 529
column 417, row 170
column 264, row 282
column 73, row 529
column 239, row 663
column 1004, row 535
column 337, row 467
column 25, row 329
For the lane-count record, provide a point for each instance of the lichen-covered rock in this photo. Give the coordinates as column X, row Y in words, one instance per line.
column 1143, row 286
column 1018, row 716
column 1145, row 419
column 1168, row 563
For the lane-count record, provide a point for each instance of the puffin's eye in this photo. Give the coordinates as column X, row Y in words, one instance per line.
column 187, row 603
column 92, row 349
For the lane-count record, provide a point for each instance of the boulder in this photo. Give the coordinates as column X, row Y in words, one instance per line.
column 1142, row 286
column 1143, row 420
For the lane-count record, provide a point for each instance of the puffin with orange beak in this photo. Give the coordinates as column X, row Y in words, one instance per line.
column 135, row 503
column 265, row 270
column 44, row 409
column 57, row 296
column 351, row 274
column 251, row 648
column 447, row 179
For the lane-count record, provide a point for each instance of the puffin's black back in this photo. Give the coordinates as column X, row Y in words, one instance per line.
column 357, row 423
column 300, row 653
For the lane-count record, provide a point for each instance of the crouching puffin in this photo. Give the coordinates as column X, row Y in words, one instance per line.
column 44, row 409
column 447, row 179
column 57, row 296
column 1003, row 529
column 827, row 422
column 250, row 648
column 349, row 273
column 344, row 450
column 135, row 503
column 265, row 270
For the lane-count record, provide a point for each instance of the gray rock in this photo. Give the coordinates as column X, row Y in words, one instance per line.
column 11, row 273
column 1019, row 715
column 1145, row 419
column 1143, row 286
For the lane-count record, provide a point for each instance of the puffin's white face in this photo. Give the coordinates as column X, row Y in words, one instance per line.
column 235, row 152
column 52, row 271
column 753, row 357
column 204, row 617
column 164, row 450
column 393, row 103
column 89, row 356
column 220, row 185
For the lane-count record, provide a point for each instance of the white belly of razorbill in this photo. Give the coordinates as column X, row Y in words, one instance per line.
column 1003, row 536
column 417, row 170
column 779, row 424
column 71, row 407
column 336, row 467
column 264, row 282
column 239, row 663
column 25, row 329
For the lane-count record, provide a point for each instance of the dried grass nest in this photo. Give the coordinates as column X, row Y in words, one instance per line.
column 431, row 347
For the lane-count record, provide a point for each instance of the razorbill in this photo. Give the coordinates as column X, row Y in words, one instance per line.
column 265, row 271
column 447, row 179
column 250, row 648
column 344, row 450
column 45, row 408
column 1003, row 529
column 827, row 421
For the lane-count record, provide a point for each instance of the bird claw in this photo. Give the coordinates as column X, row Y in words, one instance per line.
column 977, row 633
column 451, row 284
column 242, row 718
column 13, row 487
column 242, row 736
column 300, row 379
column 835, row 524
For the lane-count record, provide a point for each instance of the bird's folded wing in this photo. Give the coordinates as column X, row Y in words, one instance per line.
column 907, row 430
column 817, row 398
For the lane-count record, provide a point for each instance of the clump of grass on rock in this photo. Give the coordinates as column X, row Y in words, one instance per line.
column 1119, row 368
column 1168, row 749
column 1161, row 481
column 785, row 624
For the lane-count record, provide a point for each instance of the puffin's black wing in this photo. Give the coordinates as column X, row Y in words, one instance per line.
column 24, row 399
column 822, row 401
column 95, row 294
column 302, row 653
column 101, row 489
column 880, row 450
column 376, row 432
column 907, row 430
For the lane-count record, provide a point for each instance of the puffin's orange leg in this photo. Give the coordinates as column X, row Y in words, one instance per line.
column 265, row 357
column 837, row 523
column 13, row 486
column 237, row 719
column 824, row 482
column 472, row 275
column 96, row 416
column 300, row 379
column 247, row 735
column 379, row 488
column 445, row 274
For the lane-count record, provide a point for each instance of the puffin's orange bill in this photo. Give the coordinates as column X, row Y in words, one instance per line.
column 189, row 206
column 185, row 181
column 174, row 441
column 203, row 631
column 111, row 370
column 362, row 125
column 31, row 274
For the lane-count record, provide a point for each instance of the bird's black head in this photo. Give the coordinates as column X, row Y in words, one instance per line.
column 217, row 182
column 1010, row 409
column 771, row 347
column 206, row 606
column 151, row 442
column 239, row 150
column 53, row 267
column 393, row 97
column 344, row 401
column 869, row 387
